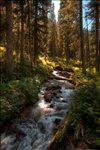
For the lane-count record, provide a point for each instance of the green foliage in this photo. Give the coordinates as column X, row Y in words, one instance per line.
column 29, row 87
column 42, row 70
column 20, row 91
column 86, row 107
column 5, row 110
column 16, row 94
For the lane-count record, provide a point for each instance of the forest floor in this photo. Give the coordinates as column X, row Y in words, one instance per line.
column 81, row 130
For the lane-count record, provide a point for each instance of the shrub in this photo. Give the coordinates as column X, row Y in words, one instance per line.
column 16, row 94
column 86, row 106
column 5, row 110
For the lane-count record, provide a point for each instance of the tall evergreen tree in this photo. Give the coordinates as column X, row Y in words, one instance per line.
column 9, row 61
column 82, row 39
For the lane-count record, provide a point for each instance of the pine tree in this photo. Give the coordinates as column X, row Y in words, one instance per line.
column 82, row 40
column 9, row 61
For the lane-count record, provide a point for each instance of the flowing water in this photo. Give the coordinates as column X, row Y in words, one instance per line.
column 36, row 132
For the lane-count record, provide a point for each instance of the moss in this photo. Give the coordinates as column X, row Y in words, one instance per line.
column 61, row 134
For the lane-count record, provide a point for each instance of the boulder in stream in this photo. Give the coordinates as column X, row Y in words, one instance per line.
column 53, row 87
column 57, row 121
column 49, row 95
column 42, row 127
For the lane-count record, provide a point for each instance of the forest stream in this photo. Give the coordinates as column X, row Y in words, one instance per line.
column 37, row 130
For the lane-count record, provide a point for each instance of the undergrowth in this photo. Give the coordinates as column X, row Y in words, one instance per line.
column 86, row 108
column 20, row 90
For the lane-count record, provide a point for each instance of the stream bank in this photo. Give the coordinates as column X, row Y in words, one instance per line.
column 38, row 128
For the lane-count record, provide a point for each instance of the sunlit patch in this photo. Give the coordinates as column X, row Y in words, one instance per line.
column 14, row 53
column 47, row 61
column 42, row 104
column 45, row 107
column 55, row 73
column 48, row 110
column 2, row 49
column 94, row 70
column 76, row 68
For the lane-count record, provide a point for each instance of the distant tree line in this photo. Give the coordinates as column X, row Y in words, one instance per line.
column 28, row 28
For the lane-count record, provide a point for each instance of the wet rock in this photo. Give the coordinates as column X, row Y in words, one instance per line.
column 57, row 96
column 20, row 134
column 41, row 127
column 51, row 105
column 49, row 95
column 61, row 106
column 57, row 121
column 51, row 87
column 61, row 113
column 60, row 91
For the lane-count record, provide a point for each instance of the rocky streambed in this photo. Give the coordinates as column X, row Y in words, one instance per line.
column 36, row 131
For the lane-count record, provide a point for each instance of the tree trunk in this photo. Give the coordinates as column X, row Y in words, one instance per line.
column 0, row 24
column 67, row 52
column 35, row 33
column 88, row 44
column 82, row 40
column 46, row 23
column 97, row 39
column 18, row 39
column 9, row 62
column 29, row 32
column 22, row 32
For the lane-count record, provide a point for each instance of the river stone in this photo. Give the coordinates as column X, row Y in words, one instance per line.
column 42, row 127
column 53, row 87
column 57, row 121
column 61, row 113
column 51, row 105
column 61, row 106
column 48, row 96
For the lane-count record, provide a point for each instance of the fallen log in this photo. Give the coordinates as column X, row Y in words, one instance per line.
column 60, row 135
